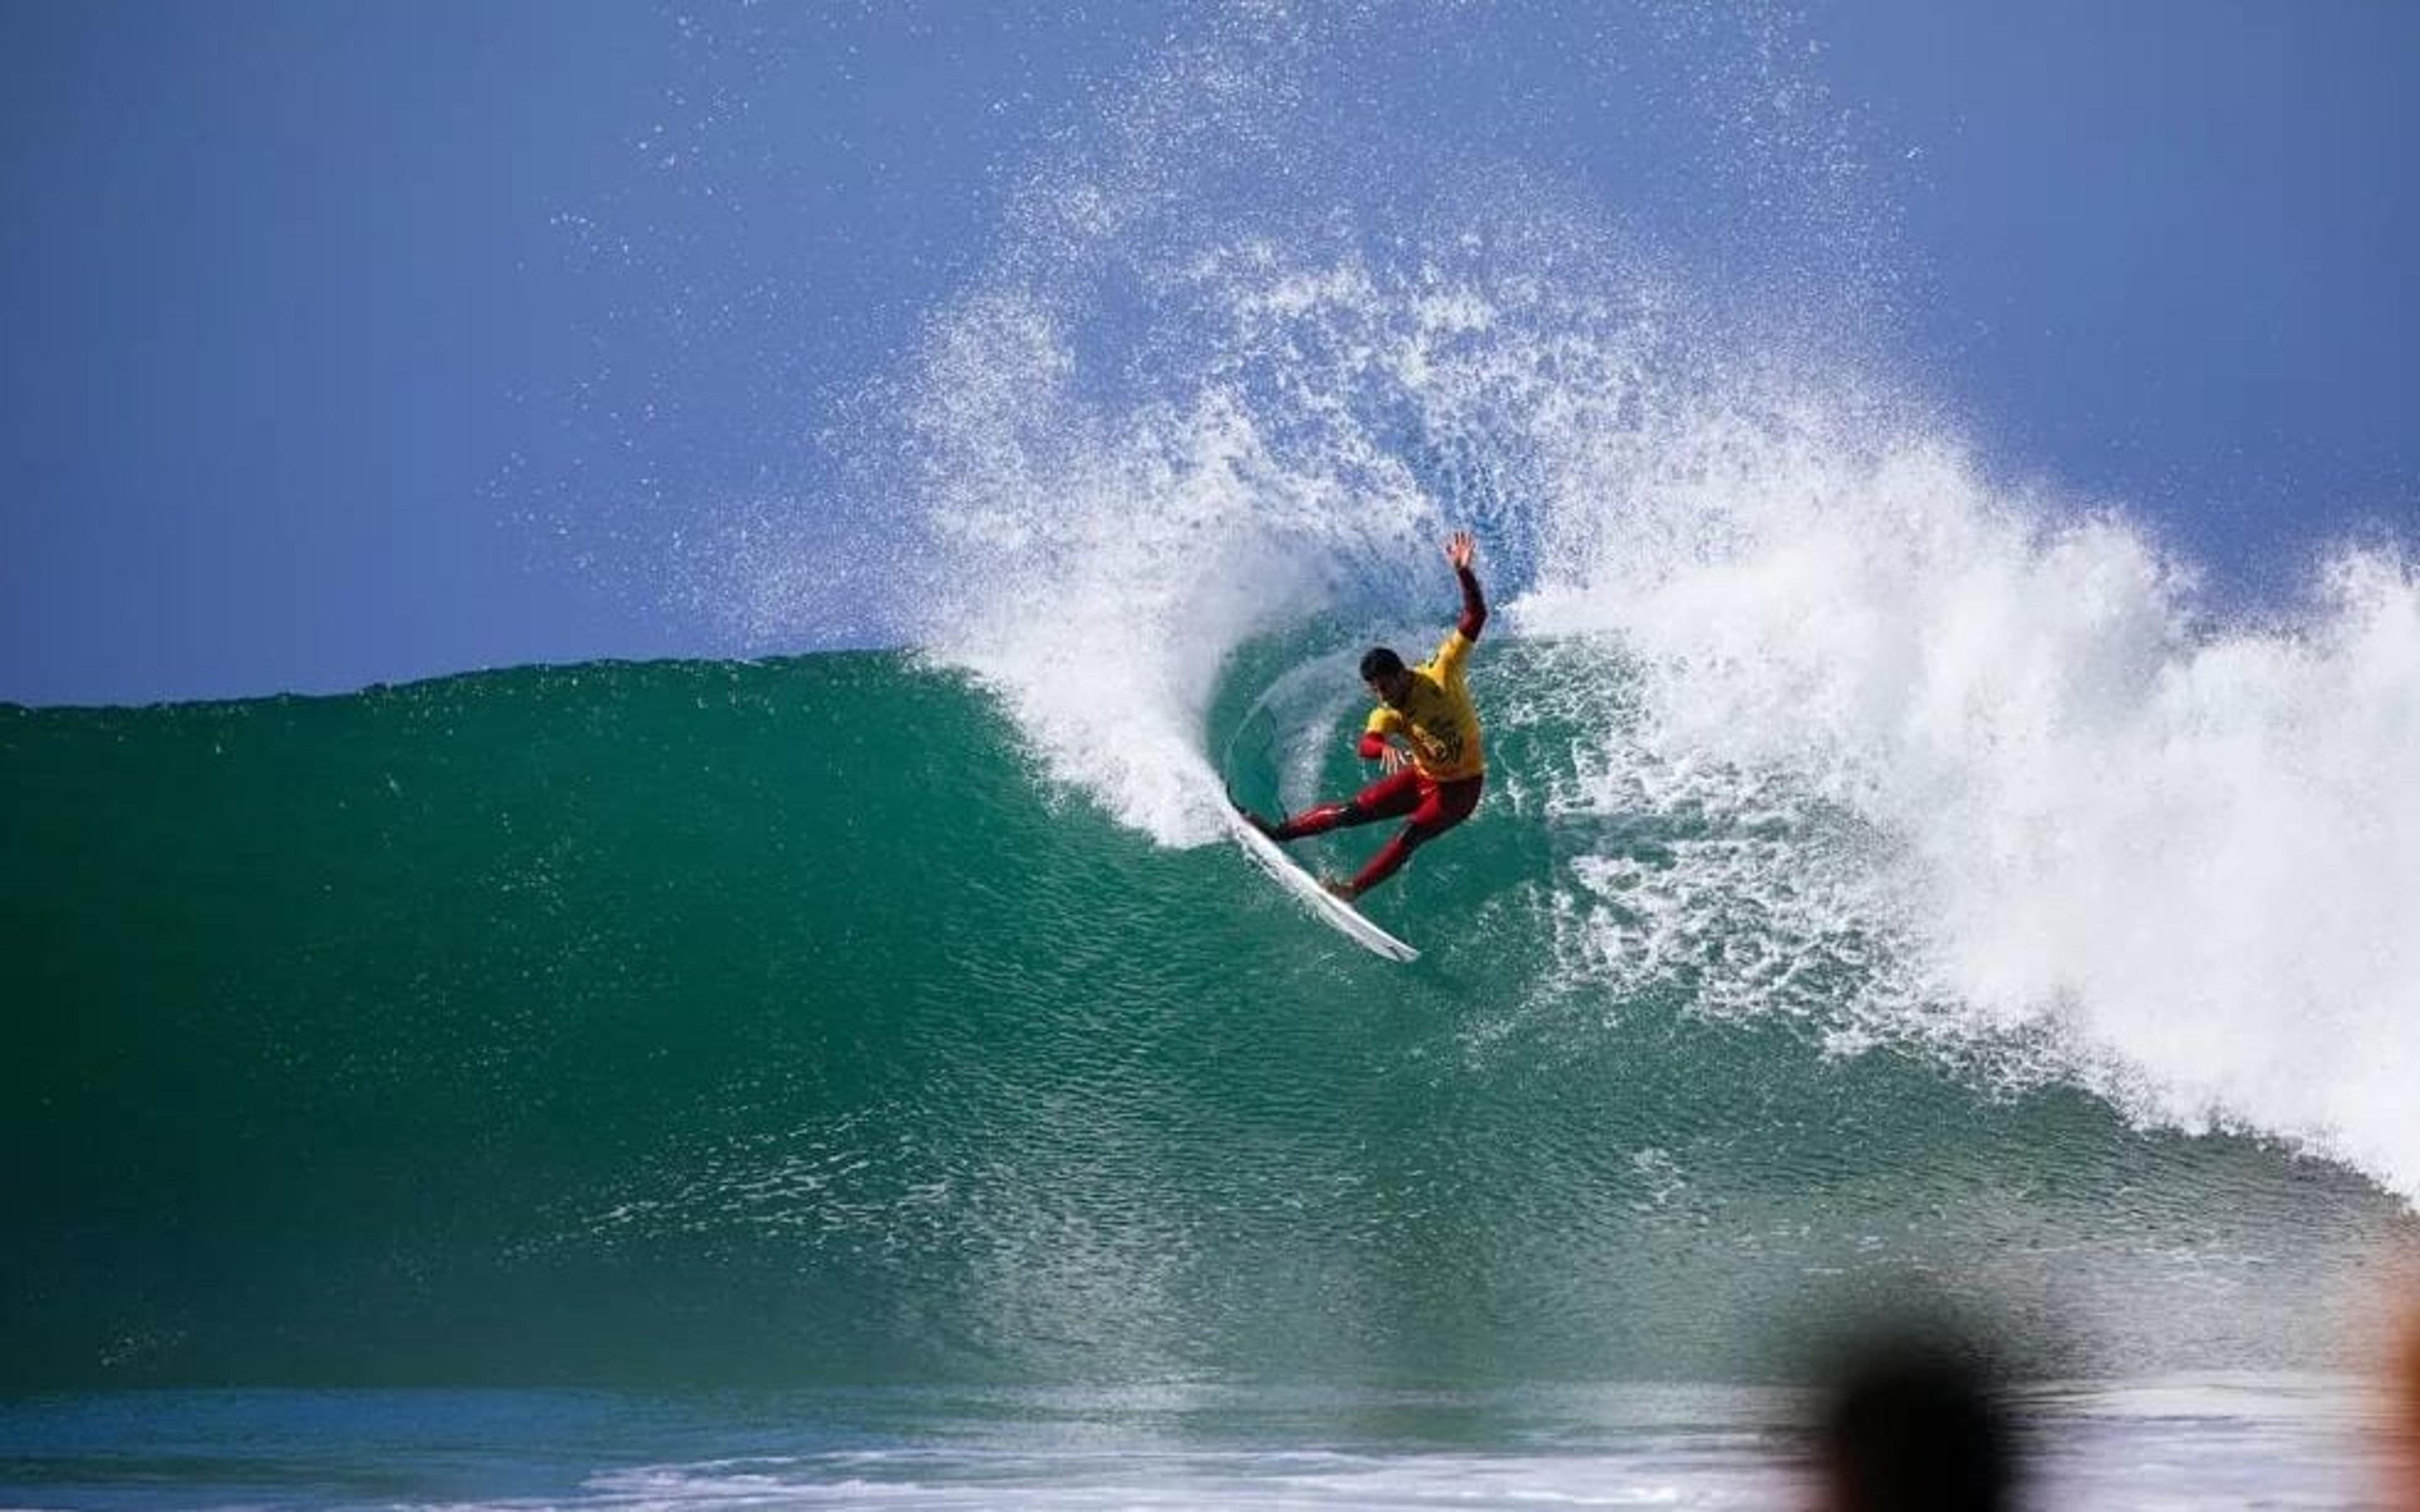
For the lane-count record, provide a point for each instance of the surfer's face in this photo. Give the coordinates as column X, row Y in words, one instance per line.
column 1392, row 688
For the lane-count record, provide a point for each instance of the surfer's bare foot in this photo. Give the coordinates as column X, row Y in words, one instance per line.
column 1339, row 887
column 1265, row 826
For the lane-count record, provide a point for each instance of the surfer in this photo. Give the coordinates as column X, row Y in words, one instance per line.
column 1424, row 733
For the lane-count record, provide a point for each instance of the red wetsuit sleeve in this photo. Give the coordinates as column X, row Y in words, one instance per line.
column 1474, row 604
column 1373, row 745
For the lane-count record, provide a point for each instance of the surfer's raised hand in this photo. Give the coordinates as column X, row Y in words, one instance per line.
column 1460, row 548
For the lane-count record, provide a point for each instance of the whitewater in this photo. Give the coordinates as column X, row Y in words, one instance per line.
column 2081, row 821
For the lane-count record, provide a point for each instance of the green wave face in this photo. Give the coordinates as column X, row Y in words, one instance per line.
column 776, row 1023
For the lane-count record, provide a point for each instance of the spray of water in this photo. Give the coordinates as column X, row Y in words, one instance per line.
column 1958, row 761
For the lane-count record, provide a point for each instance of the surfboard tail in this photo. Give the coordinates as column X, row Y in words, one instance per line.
column 1329, row 909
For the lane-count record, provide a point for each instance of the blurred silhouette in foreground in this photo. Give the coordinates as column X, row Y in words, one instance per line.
column 1915, row 1420
column 2403, row 1419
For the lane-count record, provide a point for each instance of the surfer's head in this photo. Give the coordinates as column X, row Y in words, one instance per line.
column 1389, row 683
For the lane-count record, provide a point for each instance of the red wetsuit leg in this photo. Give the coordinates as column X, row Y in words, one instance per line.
column 1444, row 806
column 1387, row 798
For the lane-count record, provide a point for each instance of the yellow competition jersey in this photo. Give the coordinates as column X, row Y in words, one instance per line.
column 1437, row 719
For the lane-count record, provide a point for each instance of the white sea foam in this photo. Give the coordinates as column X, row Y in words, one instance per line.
column 1975, row 754
column 2190, row 849
column 1959, row 759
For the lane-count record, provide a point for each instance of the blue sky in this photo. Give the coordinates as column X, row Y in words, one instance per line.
column 355, row 343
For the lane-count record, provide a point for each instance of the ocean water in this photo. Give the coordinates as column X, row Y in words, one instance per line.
column 777, row 1055
column 2218, row 1441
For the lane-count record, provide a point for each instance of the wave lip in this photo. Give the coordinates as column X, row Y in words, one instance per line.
column 2052, row 803
column 2187, row 847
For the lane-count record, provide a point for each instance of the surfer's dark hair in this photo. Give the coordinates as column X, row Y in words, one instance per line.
column 1379, row 662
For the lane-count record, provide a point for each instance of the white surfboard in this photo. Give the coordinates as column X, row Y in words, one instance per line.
column 1329, row 909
